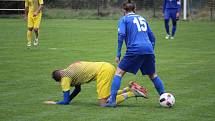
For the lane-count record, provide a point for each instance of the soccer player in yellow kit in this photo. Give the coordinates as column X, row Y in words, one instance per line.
column 82, row 72
column 33, row 15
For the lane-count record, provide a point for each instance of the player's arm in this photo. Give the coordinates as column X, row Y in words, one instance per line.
column 26, row 10
column 75, row 92
column 178, row 9
column 67, row 98
column 65, row 101
column 65, row 85
column 121, row 37
column 39, row 9
column 178, row 6
column 151, row 36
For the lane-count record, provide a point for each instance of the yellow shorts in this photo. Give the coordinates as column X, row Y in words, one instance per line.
column 34, row 22
column 104, row 80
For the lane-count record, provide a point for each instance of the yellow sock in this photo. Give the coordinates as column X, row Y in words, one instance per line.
column 29, row 36
column 122, row 97
column 124, row 90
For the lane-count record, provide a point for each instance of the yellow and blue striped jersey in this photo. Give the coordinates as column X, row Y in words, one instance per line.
column 33, row 5
column 79, row 73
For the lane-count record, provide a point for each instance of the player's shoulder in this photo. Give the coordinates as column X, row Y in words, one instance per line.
column 122, row 18
column 142, row 17
column 131, row 15
column 134, row 15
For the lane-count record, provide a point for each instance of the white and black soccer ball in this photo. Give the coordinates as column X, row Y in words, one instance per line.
column 167, row 100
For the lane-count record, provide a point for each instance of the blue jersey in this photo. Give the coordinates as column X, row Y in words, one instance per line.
column 137, row 34
column 171, row 4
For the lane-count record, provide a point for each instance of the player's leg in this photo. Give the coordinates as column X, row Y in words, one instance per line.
column 148, row 68
column 30, row 29
column 138, row 90
column 167, row 28
column 103, row 82
column 174, row 23
column 135, row 90
column 37, row 21
column 29, row 36
column 104, row 90
column 124, row 90
column 36, row 31
column 102, row 101
column 157, row 83
column 129, row 63
column 115, row 86
column 124, row 96
column 119, row 98
column 166, row 23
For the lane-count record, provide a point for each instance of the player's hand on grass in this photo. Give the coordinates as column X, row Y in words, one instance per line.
column 50, row 102
column 117, row 59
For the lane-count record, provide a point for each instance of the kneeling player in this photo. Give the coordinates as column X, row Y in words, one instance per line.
column 82, row 72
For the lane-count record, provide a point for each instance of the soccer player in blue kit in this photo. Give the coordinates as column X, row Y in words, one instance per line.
column 140, row 42
column 171, row 9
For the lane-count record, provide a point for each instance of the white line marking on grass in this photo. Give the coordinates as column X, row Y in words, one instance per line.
column 52, row 48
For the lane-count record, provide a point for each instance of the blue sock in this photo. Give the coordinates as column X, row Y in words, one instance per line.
column 115, row 87
column 158, row 85
column 173, row 28
column 167, row 26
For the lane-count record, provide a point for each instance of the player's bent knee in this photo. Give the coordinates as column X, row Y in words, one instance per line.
column 30, row 28
column 166, row 21
column 152, row 76
column 174, row 23
column 36, row 29
column 119, row 72
column 102, row 101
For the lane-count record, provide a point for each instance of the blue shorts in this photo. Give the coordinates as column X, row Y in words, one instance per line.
column 132, row 63
column 170, row 13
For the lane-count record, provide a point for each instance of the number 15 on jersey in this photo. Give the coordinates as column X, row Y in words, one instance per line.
column 140, row 23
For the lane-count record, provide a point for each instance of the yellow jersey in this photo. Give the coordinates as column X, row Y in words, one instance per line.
column 79, row 73
column 33, row 5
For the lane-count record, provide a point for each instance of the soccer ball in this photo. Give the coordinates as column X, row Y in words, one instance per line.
column 167, row 100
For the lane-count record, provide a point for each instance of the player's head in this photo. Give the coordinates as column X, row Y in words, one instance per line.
column 56, row 75
column 129, row 6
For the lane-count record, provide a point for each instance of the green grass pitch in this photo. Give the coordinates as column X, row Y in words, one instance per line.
column 186, row 66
